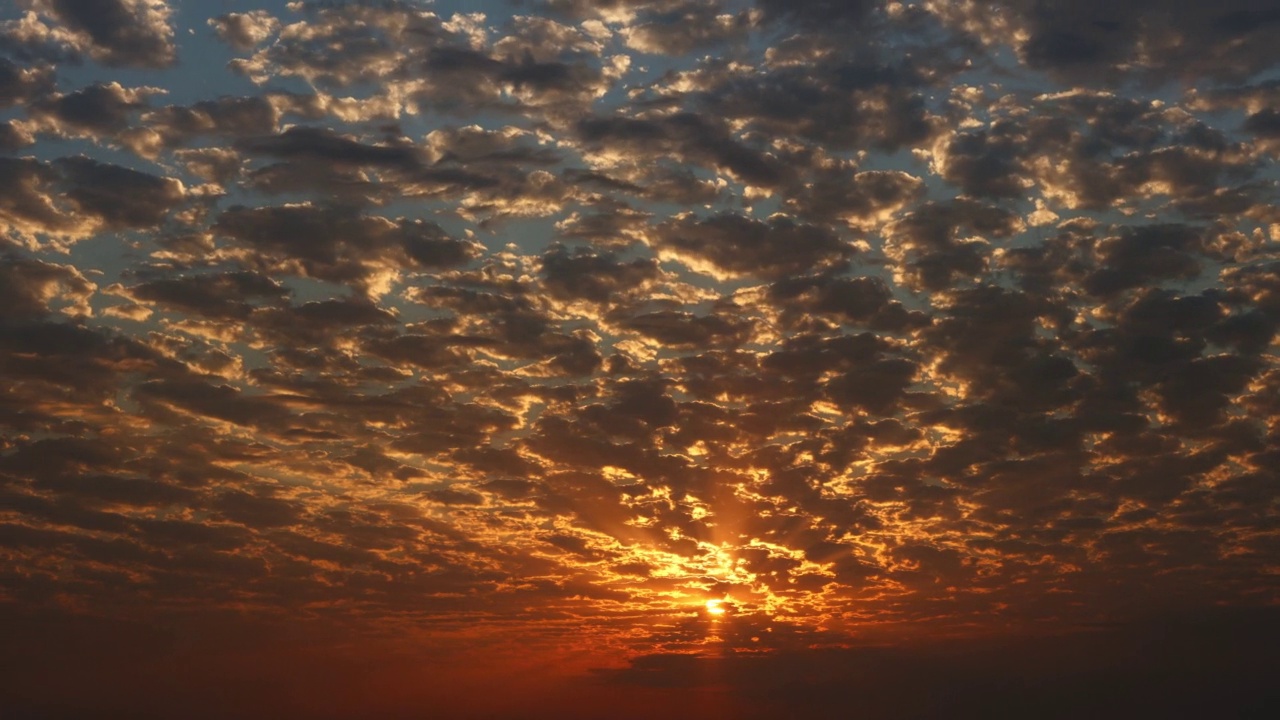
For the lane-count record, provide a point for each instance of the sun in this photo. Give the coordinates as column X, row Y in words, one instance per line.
column 716, row 607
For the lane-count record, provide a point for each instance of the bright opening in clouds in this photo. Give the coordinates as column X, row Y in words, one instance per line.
column 639, row 358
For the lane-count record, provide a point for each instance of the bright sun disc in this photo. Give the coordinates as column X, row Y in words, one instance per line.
column 716, row 607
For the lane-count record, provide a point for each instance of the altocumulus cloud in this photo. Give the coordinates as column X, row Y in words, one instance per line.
column 364, row 357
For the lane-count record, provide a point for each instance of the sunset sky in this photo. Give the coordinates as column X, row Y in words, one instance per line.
column 639, row 359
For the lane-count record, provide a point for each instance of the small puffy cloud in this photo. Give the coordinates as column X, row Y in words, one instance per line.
column 245, row 31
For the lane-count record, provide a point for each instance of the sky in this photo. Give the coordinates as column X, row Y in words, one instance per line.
column 730, row 359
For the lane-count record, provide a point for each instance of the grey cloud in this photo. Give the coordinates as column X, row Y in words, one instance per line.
column 222, row 295
column 20, row 83
column 863, row 300
column 232, row 117
column 13, row 138
column 839, row 102
column 27, row 288
column 1089, row 41
column 337, row 245
column 683, row 330
column 932, row 249
column 118, row 32
column 591, row 276
column 119, row 197
column 683, row 136
column 859, row 198
column 222, row 402
column 254, row 510
column 686, row 27
column 1139, row 256
column 741, row 245
column 321, row 161
column 97, row 110
column 550, row 69
column 512, row 326
column 852, row 371
column 26, row 200
column 324, row 146
column 818, row 14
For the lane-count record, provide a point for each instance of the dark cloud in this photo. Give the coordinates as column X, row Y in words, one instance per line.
column 224, row 295
column 27, row 287
column 584, row 275
column 13, row 138
column 26, row 204
column 538, row 66
column 337, row 245
column 839, row 102
column 739, row 245
column 686, row 27
column 1098, row 41
column 231, row 117
column 860, row 300
column 685, row 136
column 508, row 324
column 323, row 146
column 1125, row 151
column 21, row 83
column 817, row 14
column 119, row 197
column 117, row 32
column 96, row 110
column 929, row 244
column 73, row 196
column 858, row 198
column 674, row 329
column 1145, row 255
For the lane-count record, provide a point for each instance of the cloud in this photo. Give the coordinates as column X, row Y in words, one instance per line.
column 538, row 66
column 245, row 31
column 739, row 245
column 686, row 28
column 128, row 33
column 599, row 278
column 336, row 245
column 222, row 295
column 30, row 286
column 683, row 136
column 20, row 83
column 836, row 100
column 74, row 196
column 383, row 344
column 1162, row 41
column 119, row 197
column 96, row 111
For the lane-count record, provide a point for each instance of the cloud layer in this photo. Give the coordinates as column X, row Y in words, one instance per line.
column 554, row 321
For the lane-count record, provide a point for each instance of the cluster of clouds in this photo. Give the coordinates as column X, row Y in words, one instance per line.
column 861, row 314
